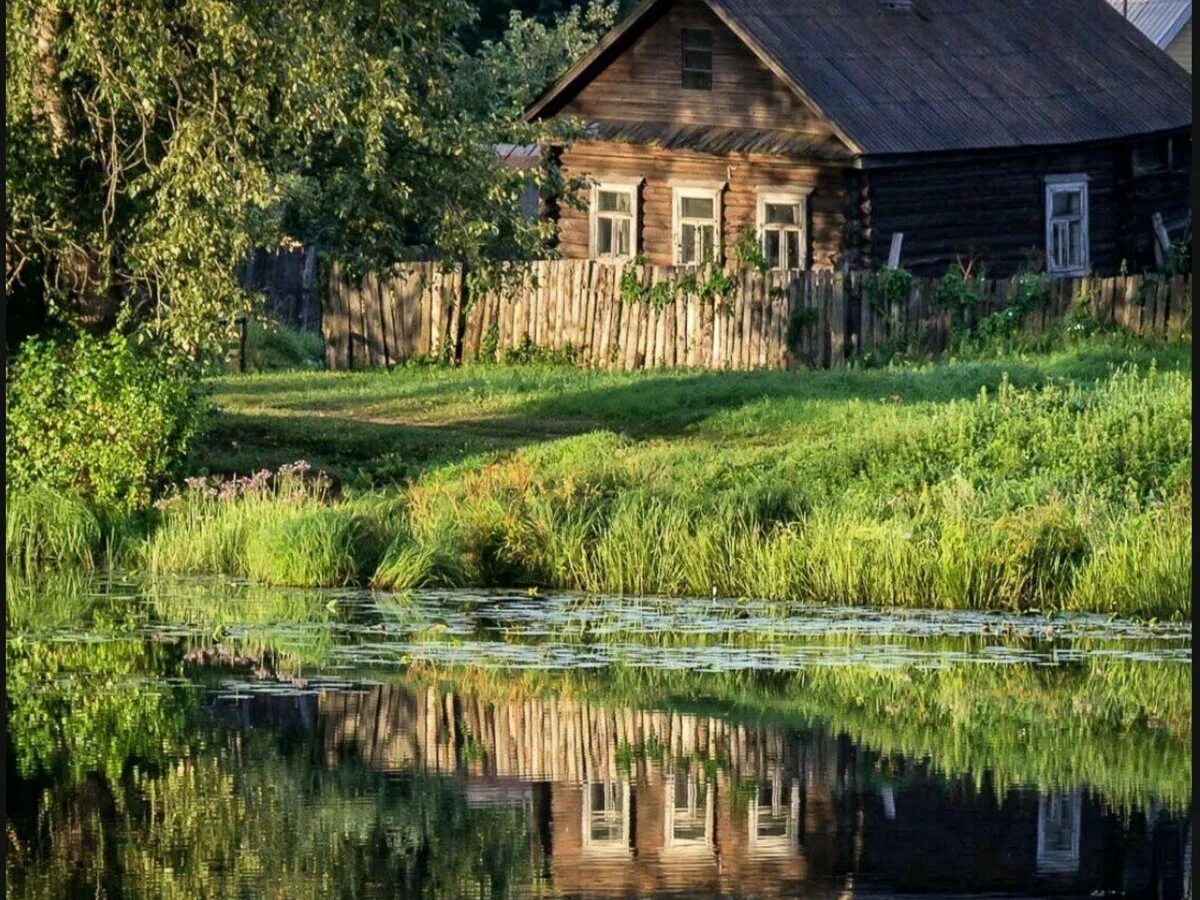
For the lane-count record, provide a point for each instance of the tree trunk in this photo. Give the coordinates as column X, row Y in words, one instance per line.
column 47, row 78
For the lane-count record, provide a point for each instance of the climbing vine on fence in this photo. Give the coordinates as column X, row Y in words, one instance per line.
column 958, row 291
column 717, row 285
column 1031, row 291
column 886, row 288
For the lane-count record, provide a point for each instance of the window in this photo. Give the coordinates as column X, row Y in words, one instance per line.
column 1067, row 224
column 781, row 219
column 614, row 221
column 773, row 817
column 1162, row 155
column 697, row 59
column 697, row 225
column 1058, row 833
column 606, row 814
column 1152, row 157
column 688, row 813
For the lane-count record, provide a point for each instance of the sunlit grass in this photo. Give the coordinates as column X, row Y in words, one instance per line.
column 1059, row 481
column 44, row 527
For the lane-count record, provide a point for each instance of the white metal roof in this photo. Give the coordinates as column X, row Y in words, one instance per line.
column 1159, row 20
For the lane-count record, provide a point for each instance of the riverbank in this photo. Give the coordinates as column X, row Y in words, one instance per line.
column 1052, row 482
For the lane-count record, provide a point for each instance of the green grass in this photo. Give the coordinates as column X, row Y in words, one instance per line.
column 45, row 527
column 1055, row 481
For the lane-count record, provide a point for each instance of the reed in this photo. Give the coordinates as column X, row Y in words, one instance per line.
column 44, row 527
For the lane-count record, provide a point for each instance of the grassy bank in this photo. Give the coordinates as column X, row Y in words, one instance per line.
column 1056, row 481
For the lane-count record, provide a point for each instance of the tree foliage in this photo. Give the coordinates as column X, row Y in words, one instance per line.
column 151, row 145
column 506, row 74
column 96, row 418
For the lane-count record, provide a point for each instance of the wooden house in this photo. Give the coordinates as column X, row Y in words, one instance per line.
column 1168, row 23
column 1006, row 131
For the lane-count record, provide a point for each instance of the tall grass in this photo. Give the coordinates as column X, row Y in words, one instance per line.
column 1017, row 499
column 278, row 528
column 46, row 527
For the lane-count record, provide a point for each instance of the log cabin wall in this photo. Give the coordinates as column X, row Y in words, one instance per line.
column 644, row 84
column 991, row 206
column 743, row 175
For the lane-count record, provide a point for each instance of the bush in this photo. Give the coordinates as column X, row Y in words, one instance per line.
column 272, row 347
column 97, row 418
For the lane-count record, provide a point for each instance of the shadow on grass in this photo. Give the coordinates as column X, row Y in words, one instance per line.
column 336, row 420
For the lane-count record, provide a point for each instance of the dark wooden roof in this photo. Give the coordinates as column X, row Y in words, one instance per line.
column 715, row 139
column 946, row 74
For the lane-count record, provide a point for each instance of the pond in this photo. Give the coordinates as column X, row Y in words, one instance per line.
column 208, row 738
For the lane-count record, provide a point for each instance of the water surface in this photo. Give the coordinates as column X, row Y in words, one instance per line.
column 205, row 738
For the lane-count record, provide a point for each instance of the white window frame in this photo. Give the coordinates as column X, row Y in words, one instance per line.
column 689, row 814
column 1059, row 184
column 633, row 188
column 772, row 814
column 708, row 192
column 778, row 198
column 612, row 846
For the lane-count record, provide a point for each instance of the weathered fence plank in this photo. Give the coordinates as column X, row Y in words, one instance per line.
column 766, row 320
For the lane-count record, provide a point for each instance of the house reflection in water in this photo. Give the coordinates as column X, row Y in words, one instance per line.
column 630, row 801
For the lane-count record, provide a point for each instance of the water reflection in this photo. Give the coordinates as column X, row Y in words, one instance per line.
column 625, row 801
column 348, row 756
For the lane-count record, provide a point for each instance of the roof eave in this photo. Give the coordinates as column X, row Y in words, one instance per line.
column 639, row 12
column 1177, row 26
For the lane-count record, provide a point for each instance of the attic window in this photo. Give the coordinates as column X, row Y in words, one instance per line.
column 697, row 59
column 1152, row 157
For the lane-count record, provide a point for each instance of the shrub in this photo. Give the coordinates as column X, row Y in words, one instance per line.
column 97, row 418
column 272, row 347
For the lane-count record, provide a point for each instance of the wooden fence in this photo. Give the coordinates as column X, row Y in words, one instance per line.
column 610, row 316
column 288, row 281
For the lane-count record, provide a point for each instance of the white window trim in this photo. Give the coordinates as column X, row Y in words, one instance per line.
column 1058, row 184
column 633, row 188
column 670, row 811
column 618, row 846
column 704, row 193
column 766, row 196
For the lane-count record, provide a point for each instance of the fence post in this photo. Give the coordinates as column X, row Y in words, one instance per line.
column 838, row 324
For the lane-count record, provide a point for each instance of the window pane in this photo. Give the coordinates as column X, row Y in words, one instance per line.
column 772, row 249
column 604, row 237
column 792, row 245
column 697, row 59
column 1067, row 203
column 1075, row 243
column 1151, row 157
column 697, row 207
column 707, row 244
column 783, row 214
column 614, row 201
column 624, row 228
column 687, row 236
